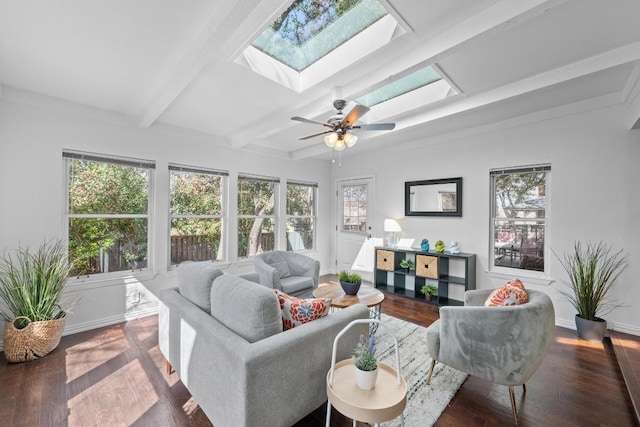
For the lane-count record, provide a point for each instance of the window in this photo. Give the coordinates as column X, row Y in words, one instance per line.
column 354, row 202
column 309, row 29
column 197, row 214
column 257, row 215
column 301, row 216
column 519, row 215
column 107, row 212
column 413, row 81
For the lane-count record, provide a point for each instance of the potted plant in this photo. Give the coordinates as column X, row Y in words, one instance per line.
column 407, row 264
column 365, row 362
column 31, row 285
column 593, row 270
column 350, row 282
column 429, row 291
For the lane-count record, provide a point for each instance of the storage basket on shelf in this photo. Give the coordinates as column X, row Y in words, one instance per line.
column 35, row 340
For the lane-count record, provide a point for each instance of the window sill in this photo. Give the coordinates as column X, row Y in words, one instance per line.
column 526, row 277
column 81, row 283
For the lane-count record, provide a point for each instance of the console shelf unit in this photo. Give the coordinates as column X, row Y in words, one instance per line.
column 431, row 267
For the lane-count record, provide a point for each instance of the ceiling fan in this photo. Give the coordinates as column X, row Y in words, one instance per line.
column 338, row 136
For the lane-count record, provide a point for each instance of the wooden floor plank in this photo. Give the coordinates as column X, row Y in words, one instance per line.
column 116, row 376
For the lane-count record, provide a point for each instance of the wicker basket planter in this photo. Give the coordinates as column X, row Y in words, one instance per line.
column 35, row 340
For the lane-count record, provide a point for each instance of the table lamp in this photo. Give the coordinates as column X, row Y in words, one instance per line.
column 392, row 227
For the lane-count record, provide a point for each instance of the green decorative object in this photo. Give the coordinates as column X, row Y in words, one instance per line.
column 350, row 282
column 429, row 291
column 439, row 246
column 407, row 264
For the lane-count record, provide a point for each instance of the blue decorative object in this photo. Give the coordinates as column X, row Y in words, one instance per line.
column 424, row 246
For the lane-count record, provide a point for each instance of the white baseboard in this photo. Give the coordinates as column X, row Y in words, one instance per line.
column 569, row 324
column 108, row 321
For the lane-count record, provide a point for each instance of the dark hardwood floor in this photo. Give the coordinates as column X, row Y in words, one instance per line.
column 116, row 376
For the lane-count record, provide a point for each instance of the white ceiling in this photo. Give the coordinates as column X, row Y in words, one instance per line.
column 173, row 62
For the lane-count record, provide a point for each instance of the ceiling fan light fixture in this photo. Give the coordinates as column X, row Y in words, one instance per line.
column 350, row 140
column 340, row 145
column 331, row 139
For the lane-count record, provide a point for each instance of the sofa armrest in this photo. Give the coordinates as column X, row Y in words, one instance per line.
column 267, row 274
column 302, row 265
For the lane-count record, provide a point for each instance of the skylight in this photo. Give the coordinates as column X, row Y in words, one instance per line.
column 418, row 79
column 310, row 29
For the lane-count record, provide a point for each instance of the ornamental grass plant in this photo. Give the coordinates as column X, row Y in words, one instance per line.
column 32, row 282
column 593, row 270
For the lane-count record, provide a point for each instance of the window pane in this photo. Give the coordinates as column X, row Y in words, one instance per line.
column 354, row 208
column 195, row 239
column 520, row 195
column 300, row 200
column 107, row 188
column 101, row 245
column 195, row 193
column 256, row 197
column 255, row 235
column 519, row 244
column 299, row 234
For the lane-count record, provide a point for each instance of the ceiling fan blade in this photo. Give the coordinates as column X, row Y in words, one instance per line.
column 313, row 122
column 376, row 126
column 353, row 116
column 315, row 134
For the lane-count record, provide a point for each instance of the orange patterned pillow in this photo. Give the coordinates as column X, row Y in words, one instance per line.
column 297, row 311
column 512, row 293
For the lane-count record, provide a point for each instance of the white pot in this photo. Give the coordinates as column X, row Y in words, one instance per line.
column 366, row 380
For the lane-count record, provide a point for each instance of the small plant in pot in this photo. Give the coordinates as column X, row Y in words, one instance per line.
column 366, row 363
column 407, row 264
column 429, row 291
column 31, row 287
column 593, row 270
column 350, row 282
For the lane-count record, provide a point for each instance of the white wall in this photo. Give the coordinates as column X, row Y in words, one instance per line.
column 31, row 192
column 593, row 194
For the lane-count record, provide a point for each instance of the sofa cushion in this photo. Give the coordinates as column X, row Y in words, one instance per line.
column 282, row 267
column 246, row 308
column 195, row 280
column 298, row 311
column 512, row 293
column 295, row 284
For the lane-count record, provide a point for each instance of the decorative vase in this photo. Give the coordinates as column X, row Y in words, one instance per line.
column 591, row 330
column 366, row 380
column 350, row 288
column 428, row 297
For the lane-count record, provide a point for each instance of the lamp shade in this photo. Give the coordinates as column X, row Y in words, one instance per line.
column 391, row 225
column 339, row 145
column 350, row 140
column 331, row 139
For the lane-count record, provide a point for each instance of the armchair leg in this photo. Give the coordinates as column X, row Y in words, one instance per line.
column 433, row 364
column 512, row 395
column 169, row 368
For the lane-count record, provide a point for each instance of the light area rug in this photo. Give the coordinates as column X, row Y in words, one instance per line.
column 425, row 402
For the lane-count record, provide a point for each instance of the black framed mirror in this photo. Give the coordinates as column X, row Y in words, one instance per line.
column 433, row 197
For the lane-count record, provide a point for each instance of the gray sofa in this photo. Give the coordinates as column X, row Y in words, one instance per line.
column 236, row 361
column 289, row 272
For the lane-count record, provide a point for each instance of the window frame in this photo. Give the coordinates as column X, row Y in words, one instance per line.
column 223, row 216
column 313, row 217
column 69, row 155
column 273, row 217
column 504, row 272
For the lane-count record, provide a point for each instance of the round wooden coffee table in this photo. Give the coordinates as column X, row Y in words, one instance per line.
column 371, row 297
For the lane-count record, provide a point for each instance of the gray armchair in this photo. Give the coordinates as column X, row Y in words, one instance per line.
column 504, row 345
column 292, row 273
